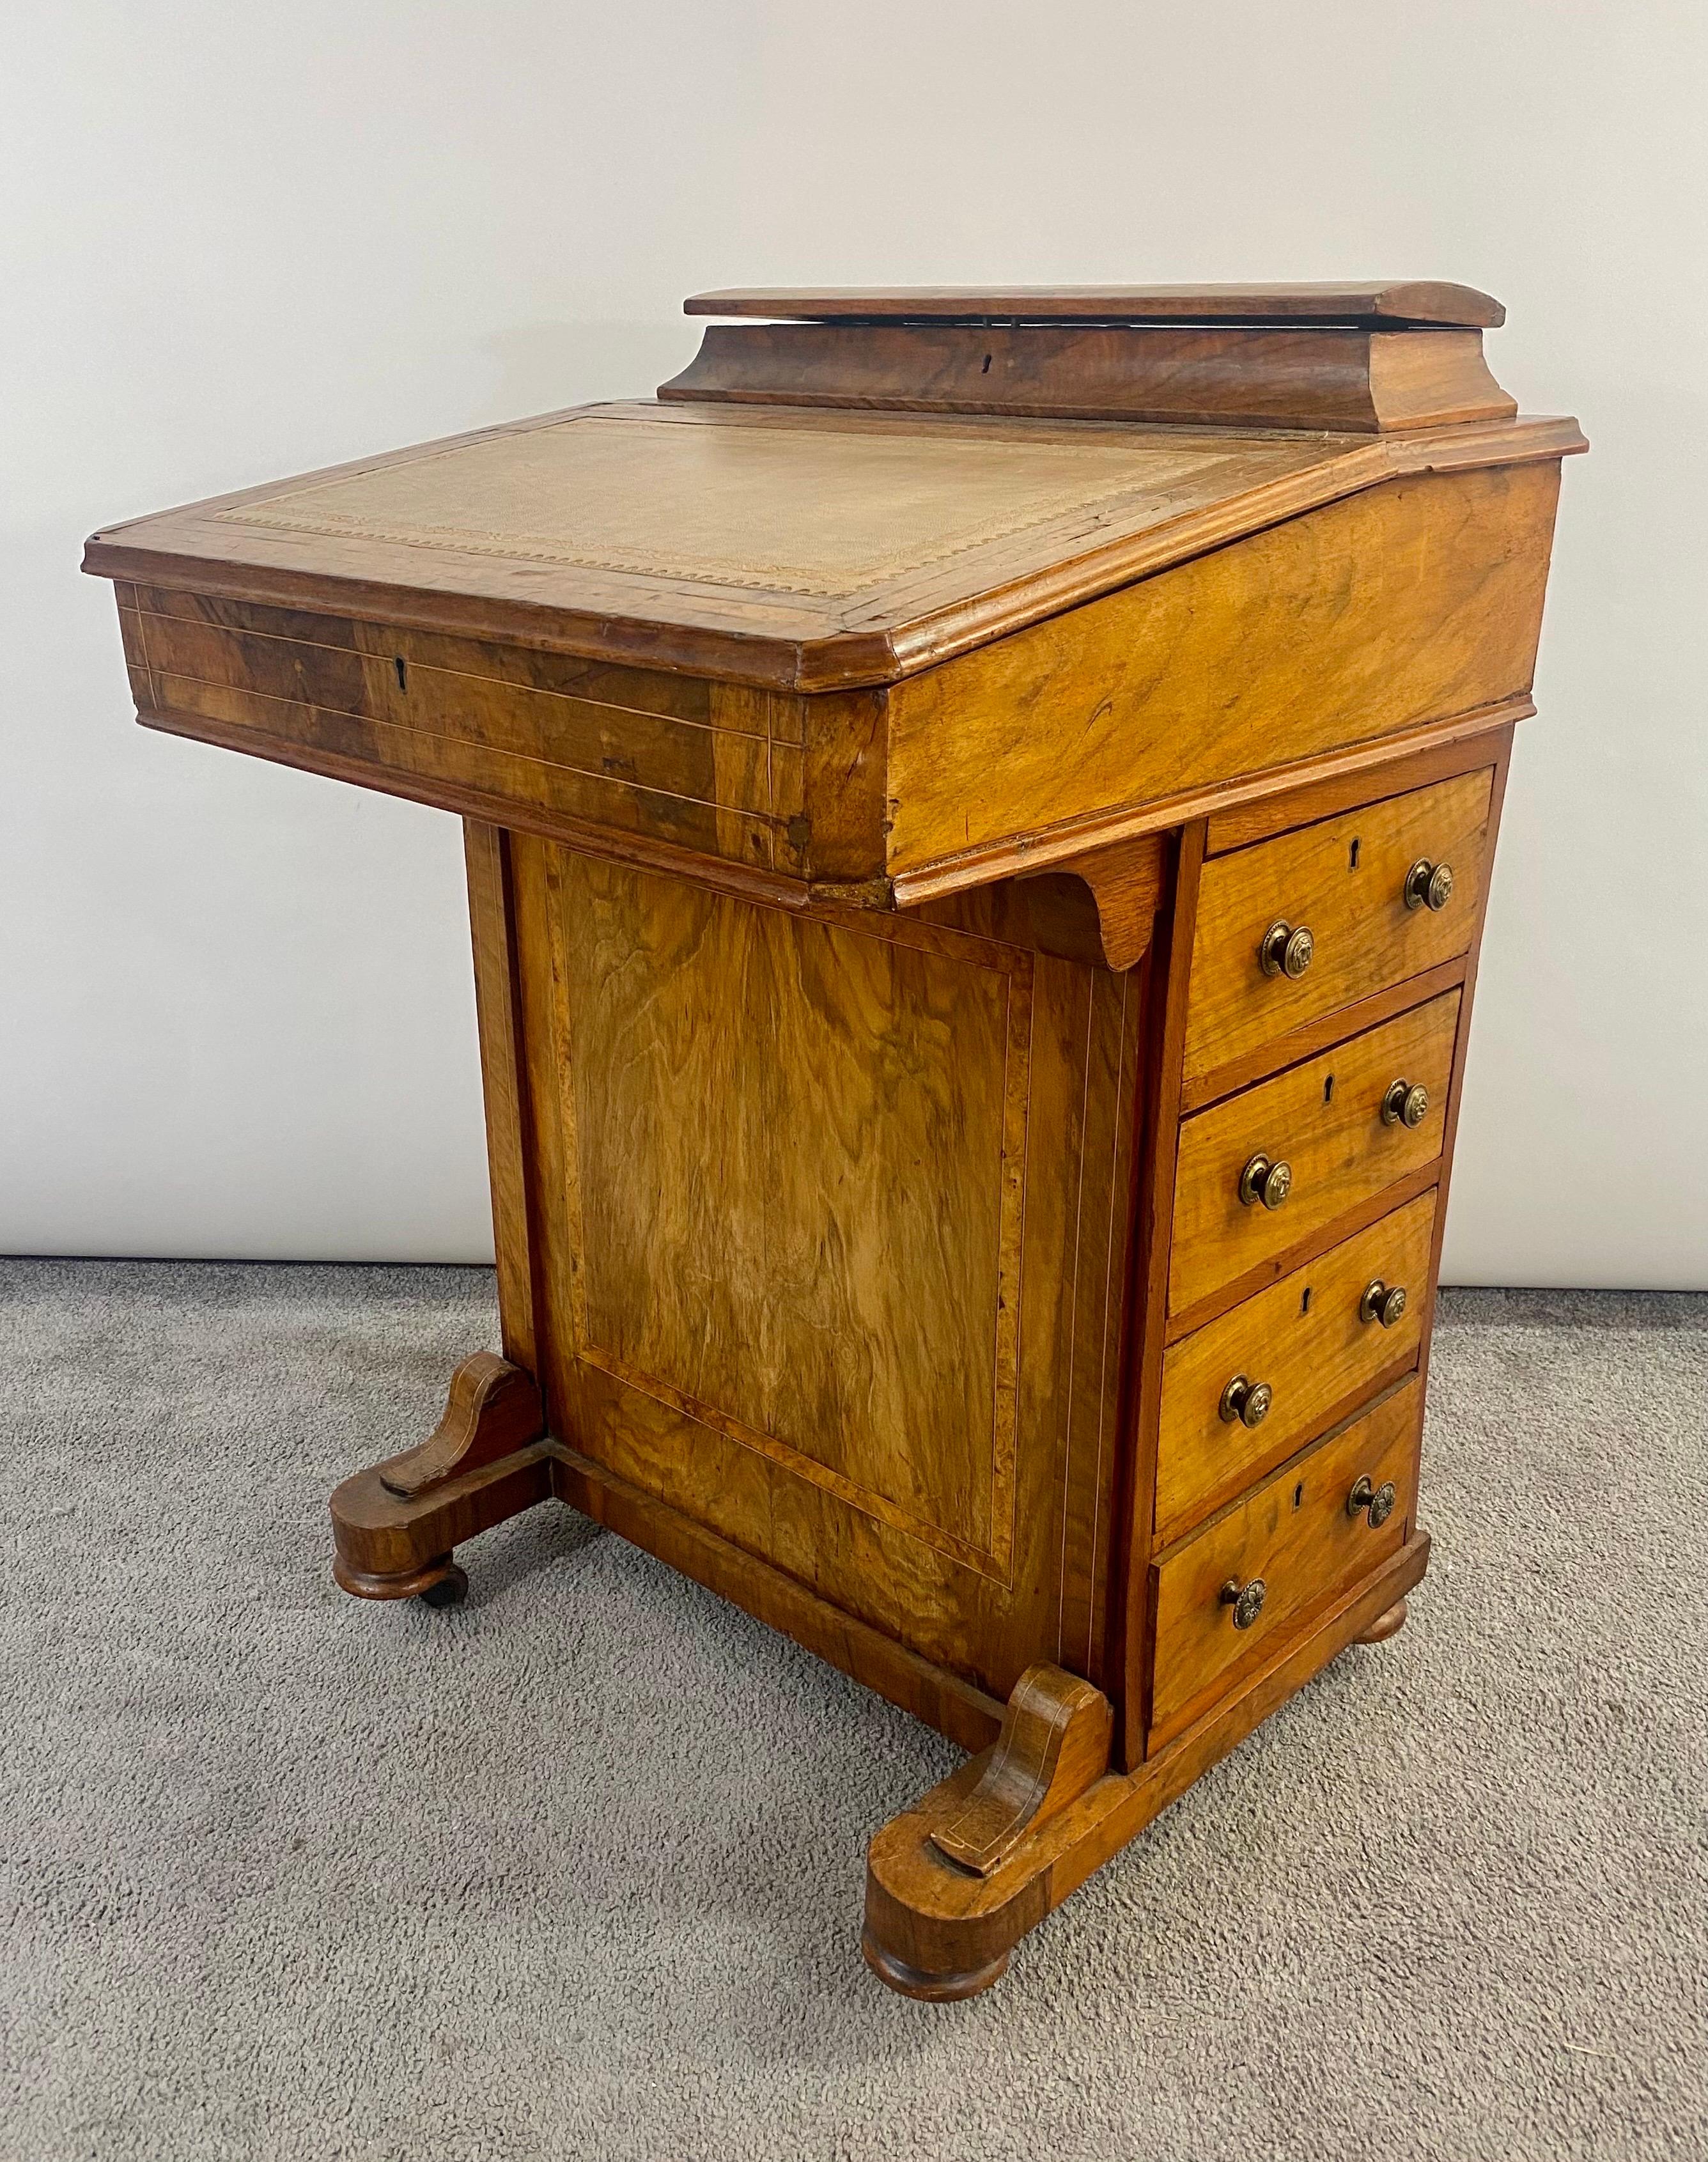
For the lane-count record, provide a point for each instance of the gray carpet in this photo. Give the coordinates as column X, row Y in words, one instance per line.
column 576, row 1870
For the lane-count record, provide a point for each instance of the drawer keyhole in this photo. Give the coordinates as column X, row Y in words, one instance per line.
column 1298, row 1495
column 403, row 679
column 1352, row 858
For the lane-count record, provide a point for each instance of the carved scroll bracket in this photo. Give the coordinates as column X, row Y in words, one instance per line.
column 1054, row 1742
column 1127, row 881
column 493, row 1408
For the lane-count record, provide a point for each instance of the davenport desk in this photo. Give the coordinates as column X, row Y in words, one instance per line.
column 978, row 811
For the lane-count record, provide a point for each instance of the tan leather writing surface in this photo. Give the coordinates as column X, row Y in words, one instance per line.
column 822, row 512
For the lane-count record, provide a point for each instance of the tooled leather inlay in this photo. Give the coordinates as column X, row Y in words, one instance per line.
column 816, row 511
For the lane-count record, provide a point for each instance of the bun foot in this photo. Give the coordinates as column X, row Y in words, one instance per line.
column 1385, row 1625
column 440, row 1582
column 917, row 1982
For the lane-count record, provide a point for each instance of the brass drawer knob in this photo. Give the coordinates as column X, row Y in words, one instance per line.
column 1246, row 1600
column 1407, row 1103
column 1377, row 1503
column 1382, row 1302
column 1248, row 1402
column 1266, row 1181
column 1429, row 885
column 1286, row 949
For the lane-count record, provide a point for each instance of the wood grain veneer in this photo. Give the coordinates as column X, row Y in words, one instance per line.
column 880, row 758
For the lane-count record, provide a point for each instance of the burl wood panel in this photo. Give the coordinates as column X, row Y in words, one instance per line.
column 1343, row 878
column 1324, row 1118
column 834, row 1215
column 1295, row 1533
column 1304, row 1338
column 1418, row 599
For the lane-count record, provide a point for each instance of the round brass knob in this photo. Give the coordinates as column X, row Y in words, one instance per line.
column 1246, row 1600
column 1429, row 885
column 1407, row 1103
column 1248, row 1402
column 1266, row 1181
column 1286, row 951
column 1377, row 1502
column 1382, row 1302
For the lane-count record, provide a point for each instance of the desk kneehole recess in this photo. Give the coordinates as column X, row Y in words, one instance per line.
column 973, row 994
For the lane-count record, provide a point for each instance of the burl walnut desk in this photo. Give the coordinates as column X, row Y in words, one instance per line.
column 979, row 810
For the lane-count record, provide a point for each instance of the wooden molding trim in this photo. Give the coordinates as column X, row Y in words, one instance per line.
column 1313, row 378
column 1067, row 847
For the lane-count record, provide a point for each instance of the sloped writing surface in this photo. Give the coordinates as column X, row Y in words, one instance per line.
column 817, row 511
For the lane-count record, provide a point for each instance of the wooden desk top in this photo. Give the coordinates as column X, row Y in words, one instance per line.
column 797, row 548
column 884, row 603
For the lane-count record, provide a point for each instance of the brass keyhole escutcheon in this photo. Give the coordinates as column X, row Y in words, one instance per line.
column 1265, row 1180
column 1246, row 1600
column 1407, row 1103
column 1248, row 1402
column 1382, row 1302
column 1429, row 885
column 1286, row 949
column 1376, row 1502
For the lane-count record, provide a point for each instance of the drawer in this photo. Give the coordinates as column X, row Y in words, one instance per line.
column 1344, row 881
column 1323, row 1120
column 1296, row 1536
column 1307, row 1341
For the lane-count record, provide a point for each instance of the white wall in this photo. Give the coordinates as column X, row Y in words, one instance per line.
column 242, row 240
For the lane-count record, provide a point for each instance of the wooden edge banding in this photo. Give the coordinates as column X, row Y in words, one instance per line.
column 1087, row 838
column 498, row 1005
column 493, row 1408
column 932, row 1919
column 1054, row 1742
column 1158, row 1149
column 1387, row 300
column 955, row 1707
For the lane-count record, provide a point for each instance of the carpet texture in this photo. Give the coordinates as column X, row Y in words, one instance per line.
column 576, row 1870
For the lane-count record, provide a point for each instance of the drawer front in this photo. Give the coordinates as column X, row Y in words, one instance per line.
column 1343, row 880
column 1323, row 1120
column 1313, row 1340
column 1296, row 1536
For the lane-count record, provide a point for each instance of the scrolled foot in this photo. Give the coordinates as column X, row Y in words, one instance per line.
column 1385, row 1625
column 929, row 1988
column 394, row 1525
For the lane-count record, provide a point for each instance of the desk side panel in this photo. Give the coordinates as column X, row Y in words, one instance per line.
column 1410, row 604
column 834, row 1221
